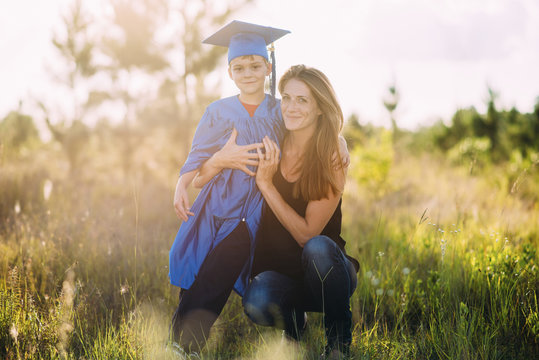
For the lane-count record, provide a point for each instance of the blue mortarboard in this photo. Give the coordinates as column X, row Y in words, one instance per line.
column 244, row 38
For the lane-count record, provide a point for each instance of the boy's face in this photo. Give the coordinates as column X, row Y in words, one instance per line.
column 249, row 73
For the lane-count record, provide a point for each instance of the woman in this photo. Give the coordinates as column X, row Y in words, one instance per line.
column 300, row 263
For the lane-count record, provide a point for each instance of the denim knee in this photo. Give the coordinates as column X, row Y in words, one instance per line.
column 319, row 247
column 256, row 304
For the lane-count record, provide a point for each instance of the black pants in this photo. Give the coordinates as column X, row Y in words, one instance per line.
column 201, row 304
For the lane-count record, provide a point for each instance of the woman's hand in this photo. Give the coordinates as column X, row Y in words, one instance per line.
column 234, row 156
column 268, row 163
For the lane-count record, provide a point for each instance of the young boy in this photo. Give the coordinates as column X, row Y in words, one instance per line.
column 212, row 252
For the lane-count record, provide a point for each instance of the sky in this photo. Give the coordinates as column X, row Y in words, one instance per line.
column 440, row 54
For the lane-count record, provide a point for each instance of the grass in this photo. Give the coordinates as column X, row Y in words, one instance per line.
column 449, row 267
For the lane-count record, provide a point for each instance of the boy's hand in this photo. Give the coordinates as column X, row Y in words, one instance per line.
column 345, row 155
column 181, row 201
column 233, row 156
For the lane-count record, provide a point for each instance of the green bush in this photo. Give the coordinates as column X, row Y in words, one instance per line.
column 371, row 163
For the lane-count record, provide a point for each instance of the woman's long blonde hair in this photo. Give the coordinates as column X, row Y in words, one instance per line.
column 322, row 157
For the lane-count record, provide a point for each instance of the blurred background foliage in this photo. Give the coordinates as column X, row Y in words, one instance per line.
column 86, row 215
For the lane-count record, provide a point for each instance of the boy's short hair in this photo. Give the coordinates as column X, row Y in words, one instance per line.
column 251, row 57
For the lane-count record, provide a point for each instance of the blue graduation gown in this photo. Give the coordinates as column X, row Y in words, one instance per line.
column 231, row 196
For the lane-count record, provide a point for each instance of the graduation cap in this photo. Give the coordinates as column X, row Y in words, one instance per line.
column 244, row 38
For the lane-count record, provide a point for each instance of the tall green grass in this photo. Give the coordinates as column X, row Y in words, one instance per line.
column 448, row 267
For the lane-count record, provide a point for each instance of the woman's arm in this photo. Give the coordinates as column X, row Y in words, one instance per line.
column 231, row 156
column 318, row 212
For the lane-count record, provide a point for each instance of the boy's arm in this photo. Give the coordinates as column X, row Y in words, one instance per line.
column 181, row 198
column 208, row 170
column 231, row 156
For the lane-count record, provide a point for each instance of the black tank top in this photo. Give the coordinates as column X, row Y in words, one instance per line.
column 276, row 249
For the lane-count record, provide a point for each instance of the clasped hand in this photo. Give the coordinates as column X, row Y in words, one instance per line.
column 268, row 162
column 234, row 156
column 231, row 156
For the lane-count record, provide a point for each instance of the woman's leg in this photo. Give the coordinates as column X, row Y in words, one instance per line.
column 201, row 304
column 330, row 279
column 274, row 299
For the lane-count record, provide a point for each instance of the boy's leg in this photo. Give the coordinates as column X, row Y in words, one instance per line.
column 201, row 304
column 330, row 281
column 274, row 299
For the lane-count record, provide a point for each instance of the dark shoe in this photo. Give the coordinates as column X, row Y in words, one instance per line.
column 181, row 354
column 301, row 331
column 336, row 352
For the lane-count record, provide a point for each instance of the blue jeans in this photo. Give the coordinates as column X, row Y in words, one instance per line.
column 273, row 299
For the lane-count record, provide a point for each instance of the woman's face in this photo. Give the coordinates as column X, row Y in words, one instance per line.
column 298, row 106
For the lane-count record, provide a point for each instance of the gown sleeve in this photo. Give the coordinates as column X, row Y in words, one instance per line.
column 210, row 136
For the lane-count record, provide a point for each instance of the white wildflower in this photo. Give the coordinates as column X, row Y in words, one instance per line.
column 124, row 289
column 47, row 189
column 14, row 332
column 443, row 244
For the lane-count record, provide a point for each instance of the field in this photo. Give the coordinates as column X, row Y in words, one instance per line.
column 449, row 265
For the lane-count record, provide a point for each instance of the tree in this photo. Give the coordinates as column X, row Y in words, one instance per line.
column 391, row 102
column 72, row 137
column 353, row 132
column 16, row 130
column 145, row 62
column 77, row 51
column 534, row 121
column 136, row 53
column 494, row 126
column 187, row 89
column 131, row 55
column 462, row 126
column 497, row 135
